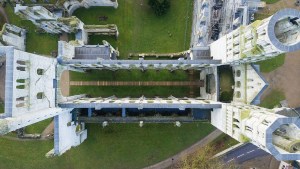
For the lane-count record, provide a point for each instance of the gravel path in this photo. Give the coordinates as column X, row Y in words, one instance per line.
column 65, row 83
column 136, row 83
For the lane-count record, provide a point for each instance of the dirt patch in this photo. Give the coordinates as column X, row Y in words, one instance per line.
column 65, row 83
column 3, row 17
column 286, row 79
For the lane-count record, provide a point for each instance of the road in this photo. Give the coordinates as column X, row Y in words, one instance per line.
column 244, row 153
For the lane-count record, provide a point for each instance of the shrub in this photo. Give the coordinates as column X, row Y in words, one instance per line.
column 160, row 7
column 226, row 96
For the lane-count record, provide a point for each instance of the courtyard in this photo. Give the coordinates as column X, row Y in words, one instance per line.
column 140, row 29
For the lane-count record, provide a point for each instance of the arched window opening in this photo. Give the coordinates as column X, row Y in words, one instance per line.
column 21, row 68
column 238, row 94
column 40, row 71
column 238, row 73
column 40, row 95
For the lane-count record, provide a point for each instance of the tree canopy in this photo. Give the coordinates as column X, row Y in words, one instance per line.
column 160, row 7
column 204, row 158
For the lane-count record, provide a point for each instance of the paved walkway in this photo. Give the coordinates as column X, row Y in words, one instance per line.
column 49, row 130
column 192, row 88
column 136, row 83
column 176, row 158
column 65, row 83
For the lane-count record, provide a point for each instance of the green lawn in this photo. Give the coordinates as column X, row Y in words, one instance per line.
column 35, row 42
column 131, row 91
column 41, row 2
column 226, row 82
column 1, row 107
column 97, row 40
column 271, row 64
column 260, row 16
column 140, row 29
column 273, row 99
column 119, row 146
column 271, row 1
column 133, row 75
column 38, row 127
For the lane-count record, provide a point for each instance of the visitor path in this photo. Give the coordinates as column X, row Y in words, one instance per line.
column 192, row 149
column 136, row 83
column 65, row 83
column 2, row 12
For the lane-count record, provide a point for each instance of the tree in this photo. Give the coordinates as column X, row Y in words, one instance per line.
column 203, row 158
column 160, row 7
column 226, row 96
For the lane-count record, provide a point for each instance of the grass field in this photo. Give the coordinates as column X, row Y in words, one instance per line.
column 133, row 75
column 273, row 99
column 131, row 91
column 140, row 29
column 118, row 146
column 226, row 82
column 41, row 1
column 260, row 16
column 1, row 107
column 38, row 127
column 271, row 1
column 35, row 42
column 271, row 64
